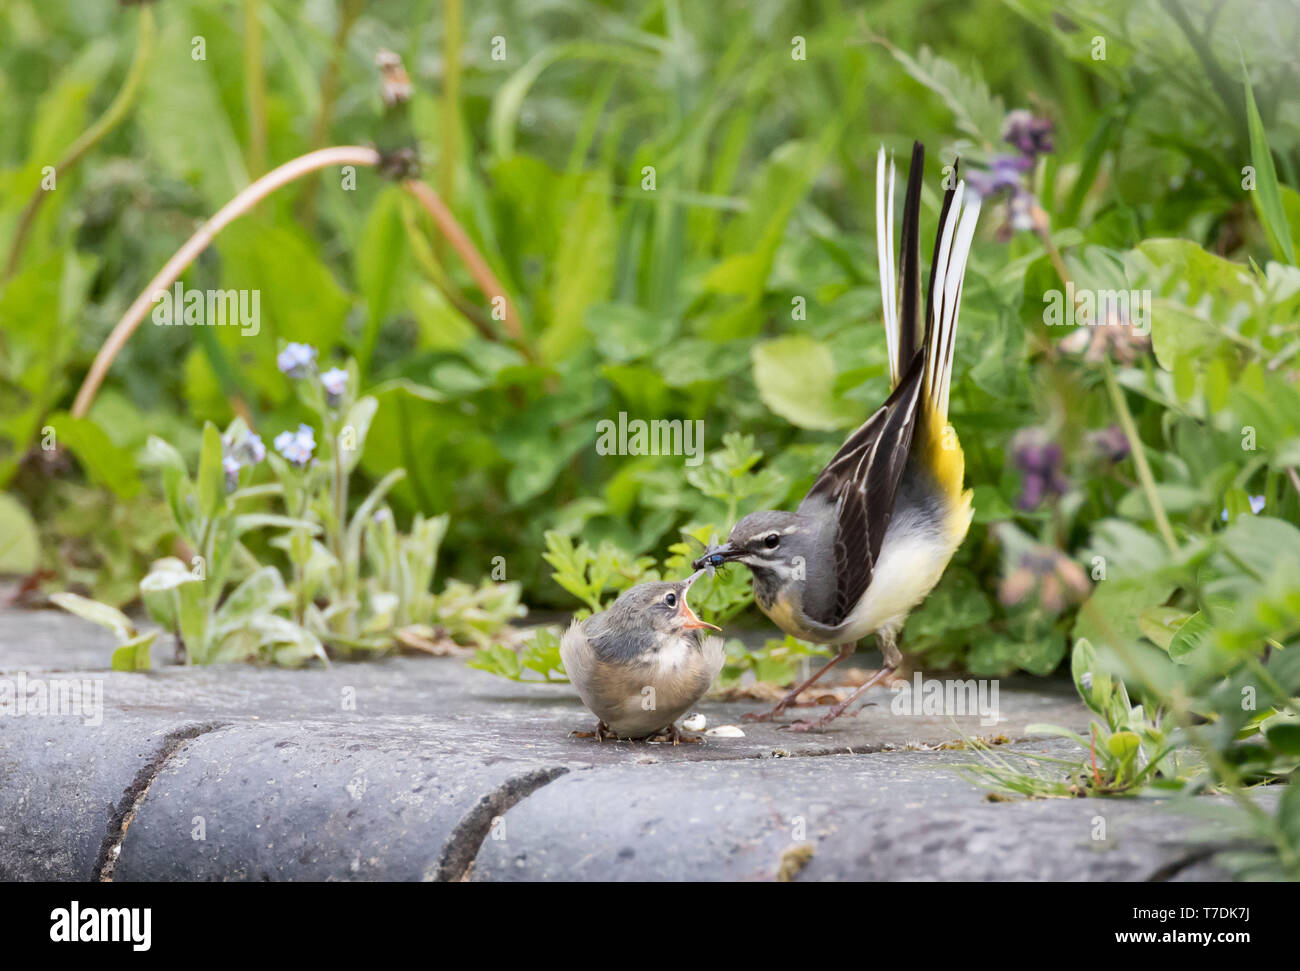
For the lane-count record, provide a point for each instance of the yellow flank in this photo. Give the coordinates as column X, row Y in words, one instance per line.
column 782, row 614
column 947, row 463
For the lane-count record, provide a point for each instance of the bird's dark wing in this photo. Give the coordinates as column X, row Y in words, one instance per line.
column 860, row 484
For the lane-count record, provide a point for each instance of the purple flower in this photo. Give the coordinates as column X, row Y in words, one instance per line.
column 1031, row 135
column 1110, row 443
column 296, row 360
column 230, row 465
column 335, row 382
column 296, row 446
column 237, row 453
column 1039, row 461
column 254, row 449
column 1005, row 173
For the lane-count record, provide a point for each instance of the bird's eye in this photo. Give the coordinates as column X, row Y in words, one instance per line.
column 772, row 541
column 671, row 600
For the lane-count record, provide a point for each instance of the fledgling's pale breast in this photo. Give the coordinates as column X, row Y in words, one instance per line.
column 644, row 694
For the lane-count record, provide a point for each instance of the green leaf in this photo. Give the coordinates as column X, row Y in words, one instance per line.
column 1285, row 737
column 358, row 419
column 990, row 506
column 1160, row 624
column 267, row 520
column 379, row 259
column 978, row 113
column 1124, row 745
column 497, row 659
column 96, row 613
column 1192, row 635
column 1266, row 197
column 352, row 538
column 956, row 603
column 795, row 378
column 166, row 574
column 198, row 145
column 583, row 271
column 19, row 541
column 134, row 654
column 212, row 477
column 261, row 593
column 1094, row 685
column 104, row 462
column 177, row 486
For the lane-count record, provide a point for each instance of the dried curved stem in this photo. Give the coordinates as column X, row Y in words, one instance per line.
column 88, row 139
column 246, row 200
column 483, row 276
column 196, row 244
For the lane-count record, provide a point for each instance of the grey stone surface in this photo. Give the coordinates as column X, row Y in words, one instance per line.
column 51, row 640
column 893, row 816
column 65, row 788
column 313, row 800
column 419, row 768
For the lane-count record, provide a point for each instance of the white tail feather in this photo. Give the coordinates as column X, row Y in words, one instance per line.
column 885, row 262
column 939, row 276
column 954, row 276
column 948, row 273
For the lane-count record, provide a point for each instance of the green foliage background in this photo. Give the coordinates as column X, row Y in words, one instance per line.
column 674, row 303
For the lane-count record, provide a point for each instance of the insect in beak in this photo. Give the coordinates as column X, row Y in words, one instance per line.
column 716, row 556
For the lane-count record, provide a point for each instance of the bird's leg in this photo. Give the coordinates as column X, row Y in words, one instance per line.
column 888, row 648
column 793, row 693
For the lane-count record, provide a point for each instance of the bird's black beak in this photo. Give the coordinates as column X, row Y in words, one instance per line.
column 715, row 556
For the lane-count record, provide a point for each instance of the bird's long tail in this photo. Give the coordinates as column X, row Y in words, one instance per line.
column 904, row 333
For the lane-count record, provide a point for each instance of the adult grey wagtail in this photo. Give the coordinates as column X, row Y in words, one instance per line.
column 641, row 664
column 880, row 523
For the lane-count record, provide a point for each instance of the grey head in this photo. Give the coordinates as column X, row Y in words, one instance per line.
column 778, row 547
column 644, row 619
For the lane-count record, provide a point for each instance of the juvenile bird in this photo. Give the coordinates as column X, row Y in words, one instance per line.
column 642, row 664
column 880, row 523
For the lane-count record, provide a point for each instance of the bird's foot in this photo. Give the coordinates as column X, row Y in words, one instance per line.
column 763, row 716
column 675, row 735
column 810, row 725
column 600, row 733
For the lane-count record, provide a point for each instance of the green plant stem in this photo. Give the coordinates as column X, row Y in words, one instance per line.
column 449, row 150
column 1139, row 457
column 329, row 93
column 91, row 137
column 340, row 508
column 484, row 278
column 255, row 86
column 428, row 262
